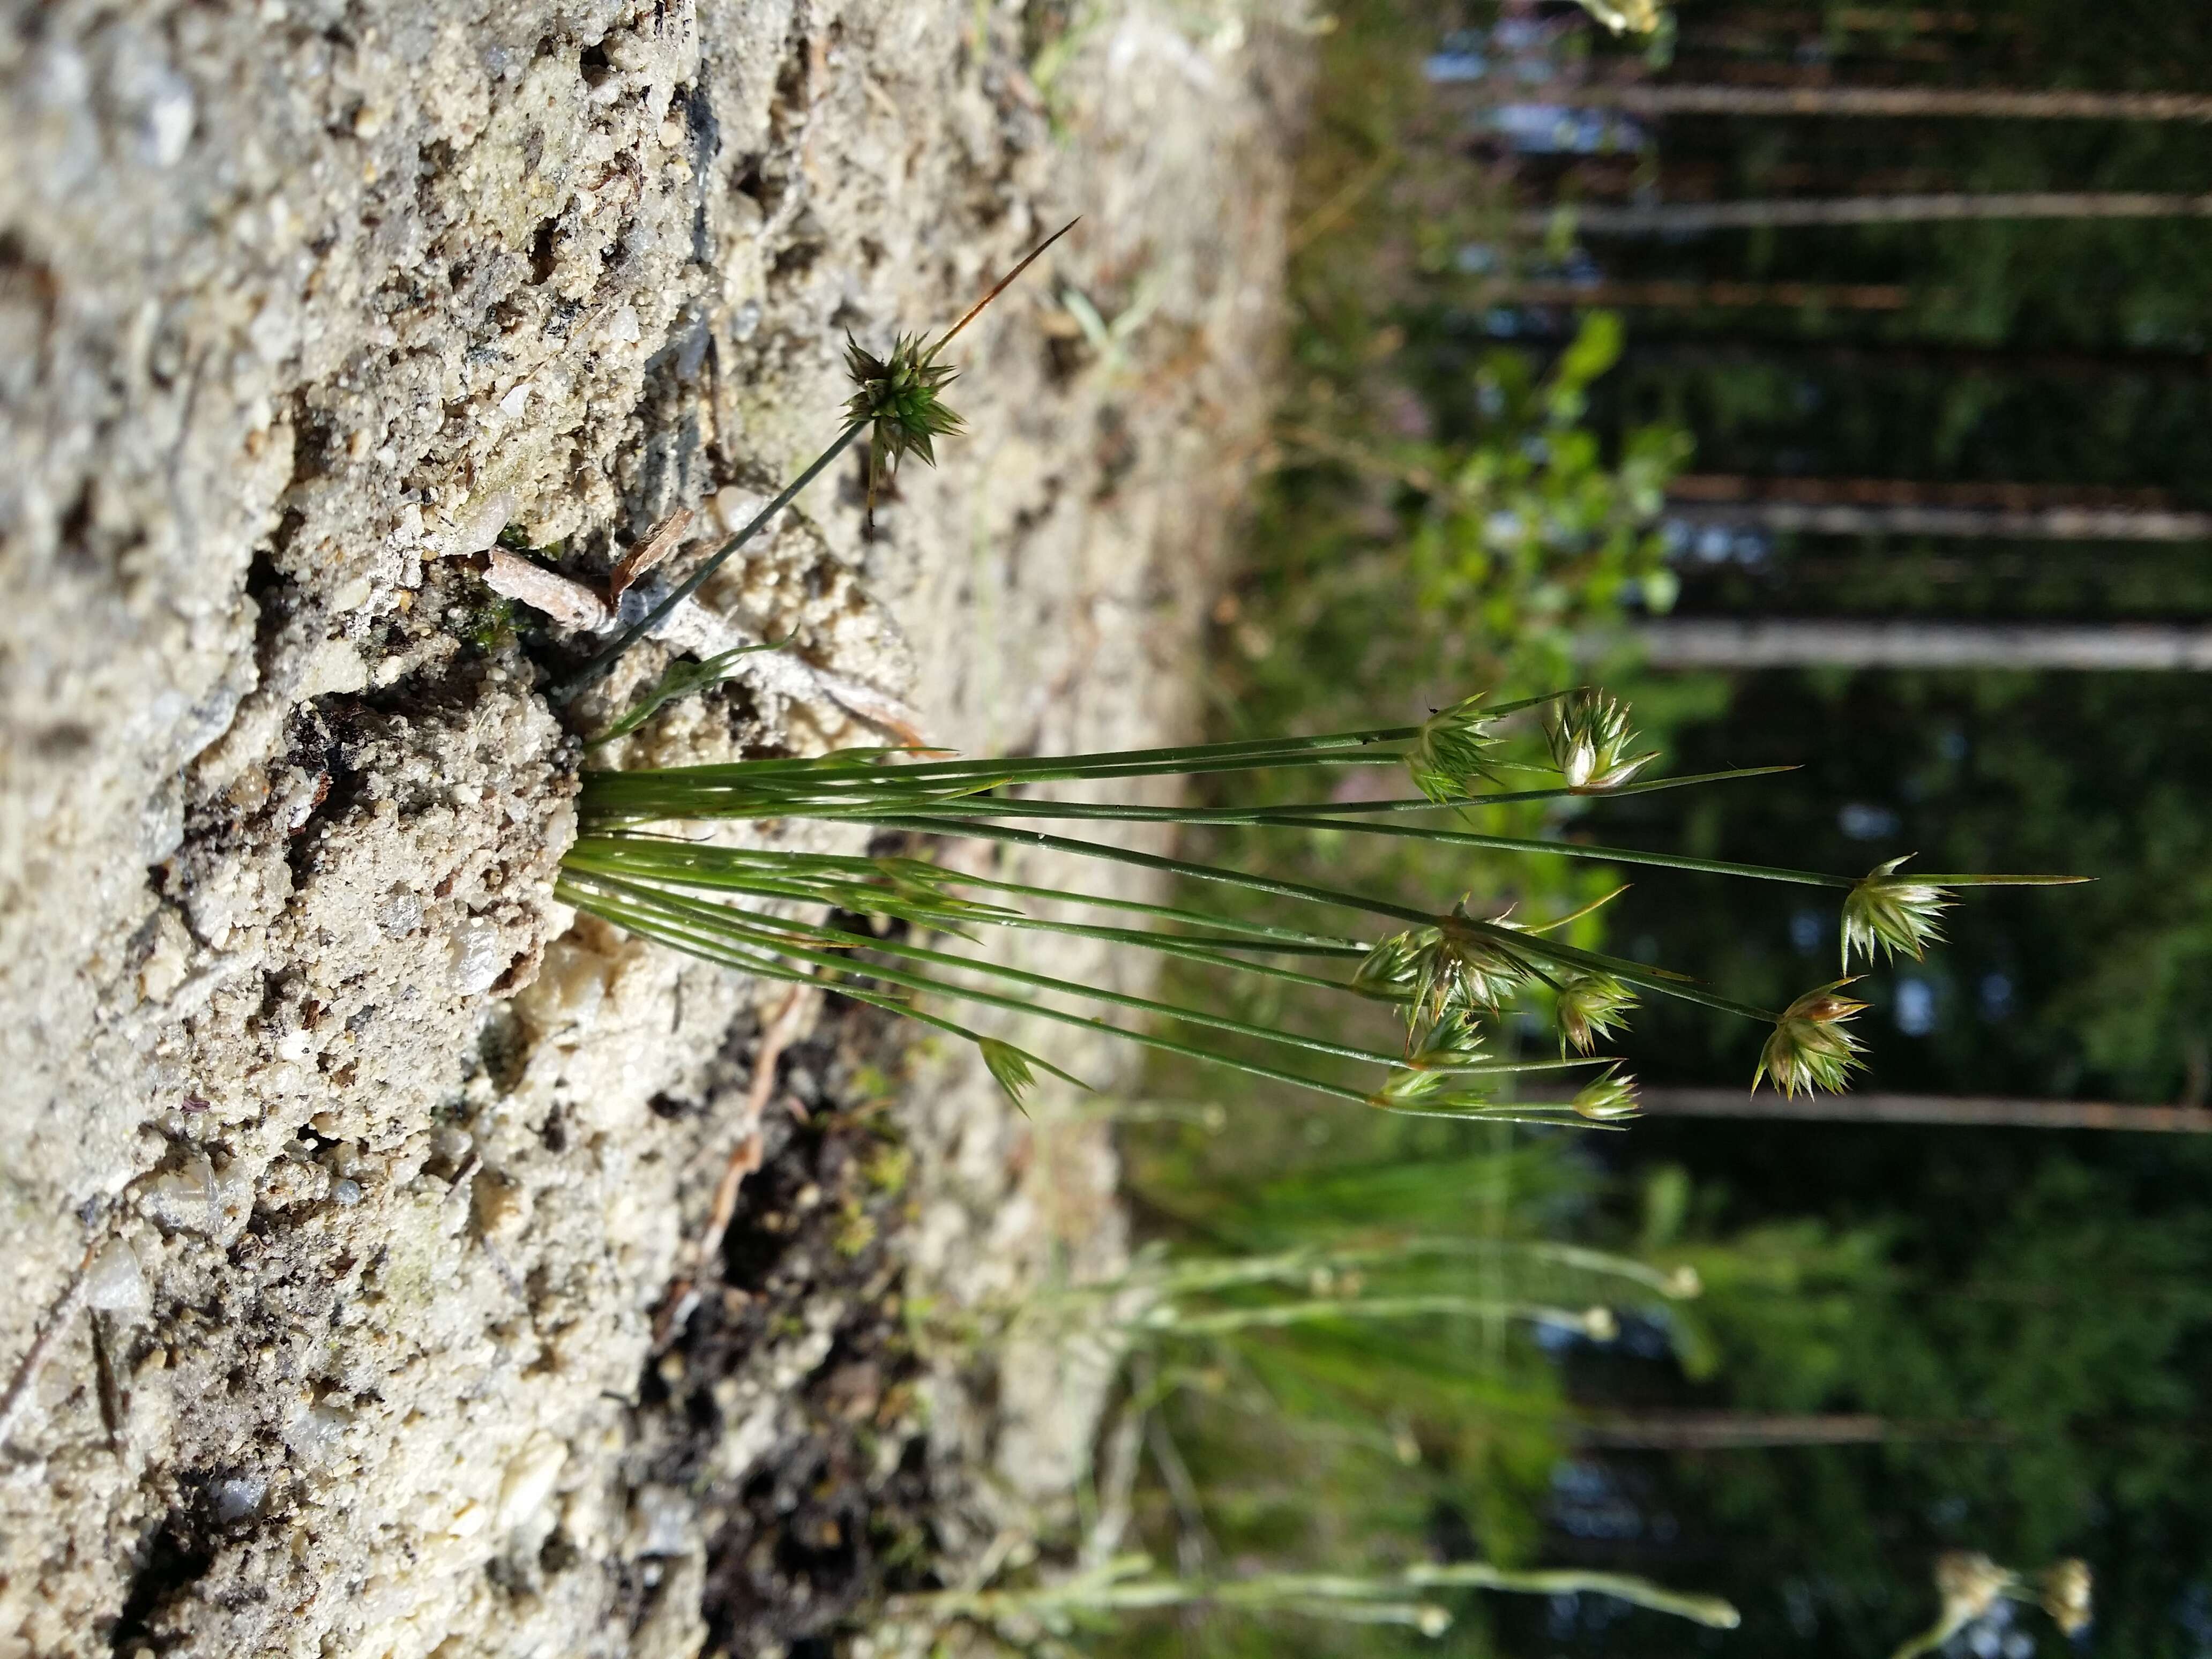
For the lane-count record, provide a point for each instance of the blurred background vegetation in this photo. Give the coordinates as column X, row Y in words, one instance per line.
column 1521, row 439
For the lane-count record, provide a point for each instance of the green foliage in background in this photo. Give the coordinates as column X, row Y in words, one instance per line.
column 2019, row 1319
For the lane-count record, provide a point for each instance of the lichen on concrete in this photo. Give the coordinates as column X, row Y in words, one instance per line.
column 343, row 1173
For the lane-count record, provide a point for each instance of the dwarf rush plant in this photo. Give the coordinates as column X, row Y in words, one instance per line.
column 1449, row 974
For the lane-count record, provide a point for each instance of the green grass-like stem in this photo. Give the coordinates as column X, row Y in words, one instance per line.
column 1128, row 1585
column 1221, row 1321
column 771, row 933
column 678, row 795
column 596, row 669
column 839, row 773
column 723, row 869
column 646, row 923
column 1709, row 1611
column 1434, row 837
column 1189, row 1276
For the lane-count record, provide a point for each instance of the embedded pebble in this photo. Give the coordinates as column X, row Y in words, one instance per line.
column 183, row 1200
column 399, row 914
column 240, row 1497
column 116, row 1283
column 478, row 956
column 479, row 524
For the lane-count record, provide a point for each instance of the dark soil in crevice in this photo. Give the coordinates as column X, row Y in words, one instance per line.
column 839, row 1512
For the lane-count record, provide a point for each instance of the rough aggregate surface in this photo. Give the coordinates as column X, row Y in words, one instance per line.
column 345, row 1176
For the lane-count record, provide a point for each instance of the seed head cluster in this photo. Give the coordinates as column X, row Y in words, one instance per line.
column 1892, row 913
column 899, row 398
column 1809, row 1048
column 1590, row 740
column 1451, row 752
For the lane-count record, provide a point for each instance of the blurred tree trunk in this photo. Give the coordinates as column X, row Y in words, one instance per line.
column 2068, row 521
column 1694, row 297
column 1997, row 509
column 1791, row 642
column 1702, row 351
column 1733, row 1431
column 1997, row 103
column 1978, row 1111
column 1954, row 207
column 1879, row 19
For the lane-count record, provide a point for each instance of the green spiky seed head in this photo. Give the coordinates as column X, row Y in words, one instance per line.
column 1809, row 1048
column 1453, row 1041
column 1444, row 976
column 1591, row 1005
column 1451, row 750
column 1590, row 738
column 899, row 399
column 1432, row 1094
column 1393, row 967
column 1610, row 1098
column 1892, row 913
column 1012, row 1068
column 1470, row 968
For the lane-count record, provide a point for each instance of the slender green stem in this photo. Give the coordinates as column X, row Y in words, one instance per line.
column 1211, row 952
column 682, row 792
column 1513, row 938
column 1290, row 941
column 784, row 973
column 922, row 824
column 1332, row 748
column 1276, row 1315
column 777, row 932
column 1214, row 950
column 1994, row 881
column 1708, row 1610
column 1435, row 837
column 987, row 805
column 646, row 923
column 1188, row 1276
column 596, row 669
column 1663, row 984
column 1567, row 955
column 723, row 869
column 1130, row 1586
column 826, row 770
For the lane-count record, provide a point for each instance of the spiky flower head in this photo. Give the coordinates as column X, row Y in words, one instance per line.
column 1609, row 1098
column 1892, row 912
column 1470, row 969
column 1451, row 750
column 1453, row 1041
column 2064, row 1588
column 1448, row 972
column 1810, row 1050
column 1591, row 1005
column 1432, row 1094
column 1392, row 967
column 899, row 399
column 1014, row 1069
column 1590, row 740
